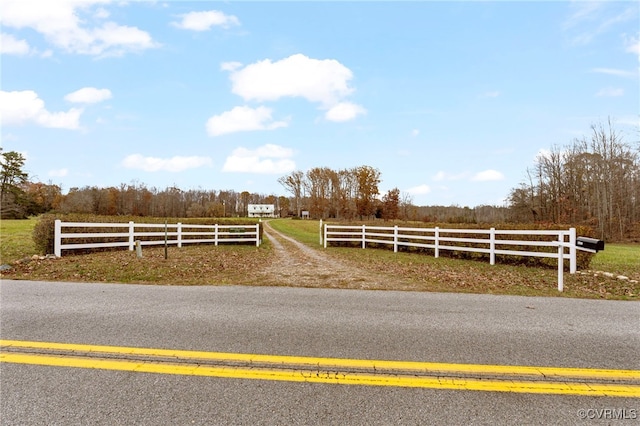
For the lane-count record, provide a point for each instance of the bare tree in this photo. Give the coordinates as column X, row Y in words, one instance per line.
column 294, row 184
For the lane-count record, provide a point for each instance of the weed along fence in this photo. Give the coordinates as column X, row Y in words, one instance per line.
column 558, row 244
column 104, row 235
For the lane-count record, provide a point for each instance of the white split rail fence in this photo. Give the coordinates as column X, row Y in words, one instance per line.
column 153, row 234
column 561, row 242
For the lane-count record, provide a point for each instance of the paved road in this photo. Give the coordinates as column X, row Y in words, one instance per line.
column 448, row 328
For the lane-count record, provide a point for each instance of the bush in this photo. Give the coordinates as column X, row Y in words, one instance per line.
column 43, row 234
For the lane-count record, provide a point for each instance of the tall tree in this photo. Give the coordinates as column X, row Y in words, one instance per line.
column 368, row 179
column 12, row 178
column 294, row 184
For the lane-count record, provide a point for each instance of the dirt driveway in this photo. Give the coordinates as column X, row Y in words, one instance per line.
column 297, row 265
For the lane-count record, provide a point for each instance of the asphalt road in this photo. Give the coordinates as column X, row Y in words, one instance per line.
column 433, row 327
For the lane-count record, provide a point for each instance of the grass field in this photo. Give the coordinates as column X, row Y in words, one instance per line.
column 200, row 265
column 16, row 240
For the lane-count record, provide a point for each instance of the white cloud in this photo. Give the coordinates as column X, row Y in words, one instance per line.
column 230, row 66
column 610, row 92
column 616, row 72
column 324, row 81
column 173, row 164
column 633, row 45
column 487, row 175
column 203, row 21
column 267, row 159
column 592, row 19
column 17, row 108
column 9, row 45
column 344, row 111
column 419, row 190
column 415, row 132
column 243, row 119
column 58, row 173
column 441, row 176
column 88, row 95
column 63, row 24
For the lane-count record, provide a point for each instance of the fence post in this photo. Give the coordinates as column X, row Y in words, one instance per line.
column 179, row 231
column 258, row 234
column 561, row 262
column 573, row 252
column 215, row 234
column 57, row 238
column 437, row 235
column 364, row 236
column 320, row 231
column 131, row 236
column 492, row 246
column 395, row 239
column 325, row 236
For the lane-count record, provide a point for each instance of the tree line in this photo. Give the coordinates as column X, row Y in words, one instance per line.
column 593, row 181
column 343, row 194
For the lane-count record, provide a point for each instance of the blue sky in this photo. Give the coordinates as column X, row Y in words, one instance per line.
column 451, row 101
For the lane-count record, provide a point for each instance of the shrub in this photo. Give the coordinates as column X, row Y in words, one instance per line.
column 43, row 234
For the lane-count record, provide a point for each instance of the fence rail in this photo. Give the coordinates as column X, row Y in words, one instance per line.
column 561, row 243
column 150, row 234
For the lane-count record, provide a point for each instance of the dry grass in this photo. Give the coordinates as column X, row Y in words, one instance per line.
column 246, row 265
column 189, row 265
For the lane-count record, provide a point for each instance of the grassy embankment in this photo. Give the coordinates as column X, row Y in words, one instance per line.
column 200, row 265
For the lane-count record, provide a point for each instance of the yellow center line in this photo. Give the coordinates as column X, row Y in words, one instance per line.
column 287, row 368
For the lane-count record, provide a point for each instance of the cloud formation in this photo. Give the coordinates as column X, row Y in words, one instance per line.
column 9, row 45
column 419, row 190
column 203, row 21
column 267, row 159
column 243, row 119
column 66, row 24
column 487, row 175
column 325, row 81
column 23, row 107
column 89, row 95
column 614, row 71
column 173, row 164
column 344, row 111
column 321, row 81
column 610, row 92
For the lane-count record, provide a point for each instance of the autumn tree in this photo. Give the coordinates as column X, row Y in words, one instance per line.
column 391, row 204
column 368, row 179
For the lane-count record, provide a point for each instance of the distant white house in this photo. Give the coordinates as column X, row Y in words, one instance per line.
column 262, row 210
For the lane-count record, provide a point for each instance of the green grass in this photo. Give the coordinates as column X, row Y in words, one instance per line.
column 623, row 259
column 16, row 239
column 305, row 231
column 198, row 265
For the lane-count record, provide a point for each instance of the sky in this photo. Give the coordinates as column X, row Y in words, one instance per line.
column 451, row 101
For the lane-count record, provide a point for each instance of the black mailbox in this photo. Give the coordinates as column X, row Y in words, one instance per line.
column 590, row 243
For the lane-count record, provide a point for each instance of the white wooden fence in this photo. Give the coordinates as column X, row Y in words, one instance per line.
column 151, row 234
column 562, row 244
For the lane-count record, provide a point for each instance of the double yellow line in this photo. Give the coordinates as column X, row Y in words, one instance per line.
column 497, row 378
